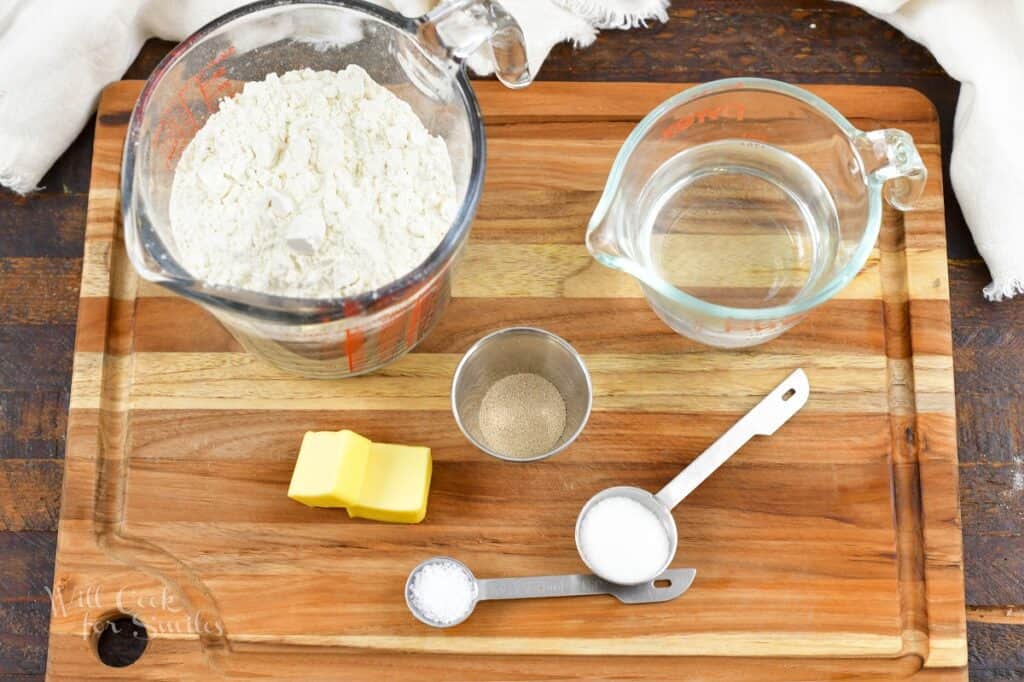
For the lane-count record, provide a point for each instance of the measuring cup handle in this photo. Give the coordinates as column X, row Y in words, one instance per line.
column 891, row 159
column 541, row 586
column 454, row 30
column 773, row 411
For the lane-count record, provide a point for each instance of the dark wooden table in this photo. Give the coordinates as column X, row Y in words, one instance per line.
column 803, row 42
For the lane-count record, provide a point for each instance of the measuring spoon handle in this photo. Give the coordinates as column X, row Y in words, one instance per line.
column 665, row 587
column 773, row 411
column 540, row 586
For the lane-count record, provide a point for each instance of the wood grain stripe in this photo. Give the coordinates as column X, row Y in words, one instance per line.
column 752, row 644
column 305, row 663
column 174, row 324
column 421, row 381
column 631, row 101
column 652, row 437
column 536, row 270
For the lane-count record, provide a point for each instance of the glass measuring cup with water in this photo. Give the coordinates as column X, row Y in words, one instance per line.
column 420, row 60
column 742, row 204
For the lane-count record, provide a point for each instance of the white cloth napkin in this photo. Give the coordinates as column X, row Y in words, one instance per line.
column 58, row 55
column 981, row 44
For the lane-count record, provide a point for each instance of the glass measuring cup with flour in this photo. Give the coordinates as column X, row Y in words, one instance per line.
column 740, row 205
column 627, row 536
column 311, row 331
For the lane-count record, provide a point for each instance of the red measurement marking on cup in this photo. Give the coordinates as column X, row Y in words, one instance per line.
column 349, row 351
column 734, row 112
column 213, row 74
column 355, row 340
column 177, row 123
column 390, row 336
column 187, row 108
column 413, row 328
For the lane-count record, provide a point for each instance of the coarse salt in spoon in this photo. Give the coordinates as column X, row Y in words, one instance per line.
column 442, row 592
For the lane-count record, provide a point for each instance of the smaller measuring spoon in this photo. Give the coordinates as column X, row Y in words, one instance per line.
column 764, row 419
column 676, row 582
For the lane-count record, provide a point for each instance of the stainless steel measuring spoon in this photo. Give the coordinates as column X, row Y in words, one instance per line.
column 764, row 419
column 664, row 587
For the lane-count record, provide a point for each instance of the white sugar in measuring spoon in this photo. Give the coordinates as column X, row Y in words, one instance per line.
column 652, row 558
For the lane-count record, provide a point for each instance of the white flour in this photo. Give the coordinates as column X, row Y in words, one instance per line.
column 623, row 540
column 314, row 184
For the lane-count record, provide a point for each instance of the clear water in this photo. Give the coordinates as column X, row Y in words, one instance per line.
column 738, row 223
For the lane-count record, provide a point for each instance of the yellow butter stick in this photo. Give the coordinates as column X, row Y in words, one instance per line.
column 378, row 481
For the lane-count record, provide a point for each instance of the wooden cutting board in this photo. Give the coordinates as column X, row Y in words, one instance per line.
column 830, row 551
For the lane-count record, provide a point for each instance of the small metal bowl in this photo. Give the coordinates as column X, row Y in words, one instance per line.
column 521, row 350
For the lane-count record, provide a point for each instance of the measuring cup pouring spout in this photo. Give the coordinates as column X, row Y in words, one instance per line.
column 740, row 205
